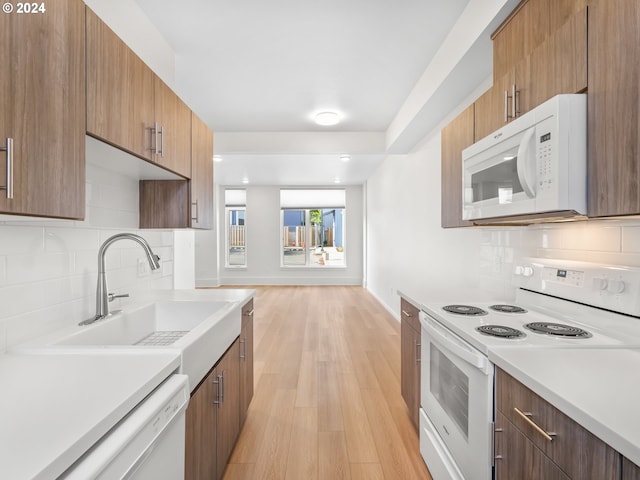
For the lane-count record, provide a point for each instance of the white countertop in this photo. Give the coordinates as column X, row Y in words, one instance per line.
column 596, row 387
column 54, row 407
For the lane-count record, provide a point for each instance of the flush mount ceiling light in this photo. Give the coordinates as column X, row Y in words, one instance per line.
column 327, row 118
column 217, row 158
column 345, row 158
column 245, row 180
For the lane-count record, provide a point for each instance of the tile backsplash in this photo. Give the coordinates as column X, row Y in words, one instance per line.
column 615, row 242
column 49, row 267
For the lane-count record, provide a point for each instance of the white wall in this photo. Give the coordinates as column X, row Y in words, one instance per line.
column 263, row 246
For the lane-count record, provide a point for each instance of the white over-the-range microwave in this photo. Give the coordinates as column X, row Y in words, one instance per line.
column 534, row 168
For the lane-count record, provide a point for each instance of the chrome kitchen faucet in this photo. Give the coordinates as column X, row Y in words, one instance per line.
column 102, row 297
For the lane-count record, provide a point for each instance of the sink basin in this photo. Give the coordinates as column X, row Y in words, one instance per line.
column 132, row 328
column 201, row 329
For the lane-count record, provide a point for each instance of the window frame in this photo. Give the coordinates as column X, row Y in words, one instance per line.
column 227, row 225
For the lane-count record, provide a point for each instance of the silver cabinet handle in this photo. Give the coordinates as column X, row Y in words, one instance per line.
column 506, row 106
column 154, row 139
column 222, row 387
column 9, row 186
column 250, row 314
column 526, row 416
column 515, row 93
column 418, row 359
column 243, row 349
column 194, row 218
column 218, row 400
column 407, row 314
column 161, row 141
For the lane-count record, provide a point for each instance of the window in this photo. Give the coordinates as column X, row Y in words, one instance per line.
column 235, row 224
column 312, row 236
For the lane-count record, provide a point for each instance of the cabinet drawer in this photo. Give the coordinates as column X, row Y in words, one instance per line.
column 579, row 453
column 517, row 457
column 409, row 314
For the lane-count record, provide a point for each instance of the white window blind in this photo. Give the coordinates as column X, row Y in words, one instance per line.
column 235, row 197
column 312, row 198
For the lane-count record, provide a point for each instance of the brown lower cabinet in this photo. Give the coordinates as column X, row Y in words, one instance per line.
column 216, row 410
column 410, row 359
column 246, row 360
column 535, row 440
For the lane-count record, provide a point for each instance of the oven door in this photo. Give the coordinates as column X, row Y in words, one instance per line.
column 501, row 179
column 457, row 398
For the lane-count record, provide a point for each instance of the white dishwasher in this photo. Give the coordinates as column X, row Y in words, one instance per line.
column 147, row 444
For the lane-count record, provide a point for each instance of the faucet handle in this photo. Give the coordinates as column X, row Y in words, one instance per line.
column 113, row 296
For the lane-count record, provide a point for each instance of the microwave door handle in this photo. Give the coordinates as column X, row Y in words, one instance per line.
column 454, row 346
column 526, row 163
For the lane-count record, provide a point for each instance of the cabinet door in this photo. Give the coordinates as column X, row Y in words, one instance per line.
column 613, row 107
column 246, row 360
column 456, row 136
column 492, row 108
column 200, row 439
column 630, row 471
column 120, row 91
column 559, row 65
column 42, row 100
column 228, row 412
column 173, row 119
column 518, row 458
column 410, row 370
column 164, row 203
column 201, row 174
column 524, row 30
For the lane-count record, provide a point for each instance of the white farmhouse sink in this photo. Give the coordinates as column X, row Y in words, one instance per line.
column 131, row 328
column 203, row 327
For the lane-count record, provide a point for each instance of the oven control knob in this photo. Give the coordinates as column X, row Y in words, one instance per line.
column 599, row 283
column 527, row 271
column 615, row 286
column 518, row 270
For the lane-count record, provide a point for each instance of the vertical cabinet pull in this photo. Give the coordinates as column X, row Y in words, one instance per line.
column 218, row 400
column 417, row 351
column 407, row 314
column 507, row 116
column 161, row 141
column 222, row 387
column 9, row 179
column 515, row 97
column 250, row 314
column 194, row 217
column 243, row 349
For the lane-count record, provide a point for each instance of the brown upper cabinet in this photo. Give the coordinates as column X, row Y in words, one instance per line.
column 613, row 107
column 129, row 107
column 201, row 188
column 539, row 65
column 42, row 100
column 456, row 136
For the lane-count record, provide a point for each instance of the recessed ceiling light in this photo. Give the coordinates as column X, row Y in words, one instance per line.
column 245, row 180
column 336, row 180
column 217, row 158
column 327, row 118
column 345, row 158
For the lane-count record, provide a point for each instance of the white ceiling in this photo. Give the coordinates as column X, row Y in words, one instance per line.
column 253, row 66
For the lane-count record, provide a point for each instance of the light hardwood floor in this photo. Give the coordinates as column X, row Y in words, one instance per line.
column 327, row 401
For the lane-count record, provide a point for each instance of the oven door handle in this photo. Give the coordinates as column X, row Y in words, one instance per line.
column 454, row 345
column 526, row 163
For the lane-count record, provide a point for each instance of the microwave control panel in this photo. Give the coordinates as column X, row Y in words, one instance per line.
column 544, row 160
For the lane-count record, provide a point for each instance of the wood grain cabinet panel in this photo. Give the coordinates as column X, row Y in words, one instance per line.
column 201, row 186
column 526, row 28
column 613, row 107
column 456, row 136
column 630, row 471
column 173, row 118
column 42, row 98
column 120, row 91
column 246, row 360
column 201, row 427
column 410, row 337
column 518, row 458
column 575, row 450
column 228, row 423
column 164, row 203
column 492, row 109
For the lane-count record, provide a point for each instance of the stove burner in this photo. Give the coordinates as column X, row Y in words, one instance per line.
column 557, row 329
column 508, row 309
column 500, row 331
column 464, row 310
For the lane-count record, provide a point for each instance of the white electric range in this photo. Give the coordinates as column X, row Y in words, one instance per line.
column 557, row 304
